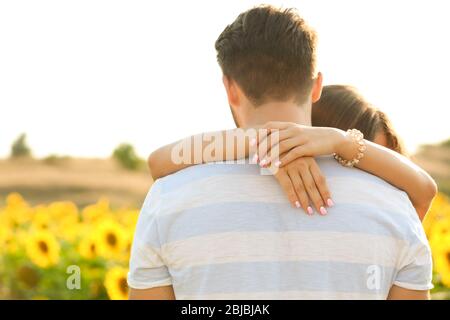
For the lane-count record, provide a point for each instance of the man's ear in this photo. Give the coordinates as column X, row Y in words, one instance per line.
column 232, row 91
column 317, row 88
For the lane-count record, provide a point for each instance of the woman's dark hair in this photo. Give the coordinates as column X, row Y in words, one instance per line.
column 343, row 107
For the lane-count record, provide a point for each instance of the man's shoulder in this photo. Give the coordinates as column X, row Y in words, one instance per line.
column 356, row 178
column 360, row 197
column 203, row 172
column 357, row 187
column 225, row 181
column 216, row 183
column 332, row 169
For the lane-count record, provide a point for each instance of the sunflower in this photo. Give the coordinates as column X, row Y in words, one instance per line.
column 88, row 247
column 43, row 249
column 8, row 243
column 41, row 219
column 116, row 283
column 5, row 219
column 440, row 210
column 96, row 212
column 110, row 238
column 438, row 231
column 68, row 232
column 4, row 235
column 442, row 259
column 65, row 212
column 15, row 200
column 126, row 252
column 18, row 208
column 128, row 218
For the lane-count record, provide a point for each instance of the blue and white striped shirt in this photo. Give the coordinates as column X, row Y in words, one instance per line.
column 224, row 231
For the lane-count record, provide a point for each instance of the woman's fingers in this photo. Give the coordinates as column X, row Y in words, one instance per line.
column 286, row 184
column 278, row 142
column 271, row 141
column 321, row 183
column 261, row 136
column 284, row 147
column 272, row 133
column 293, row 154
column 302, row 196
column 280, row 125
column 302, row 183
column 311, row 188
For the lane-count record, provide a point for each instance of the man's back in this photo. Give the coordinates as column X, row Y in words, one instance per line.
column 224, row 231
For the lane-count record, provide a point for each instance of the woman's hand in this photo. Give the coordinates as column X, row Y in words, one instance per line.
column 294, row 141
column 302, row 181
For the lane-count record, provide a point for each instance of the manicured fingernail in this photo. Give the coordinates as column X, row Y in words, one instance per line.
column 330, row 202
column 255, row 158
column 310, row 211
column 297, row 204
column 263, row 162
column 252, row 142
column 277, row 164
column 323, row 211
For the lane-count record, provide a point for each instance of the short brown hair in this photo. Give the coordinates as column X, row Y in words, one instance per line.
column 270, row 53
column 343, row 107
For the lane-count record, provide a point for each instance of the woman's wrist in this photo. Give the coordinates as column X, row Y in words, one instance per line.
column 345, row 147
column 351, row 151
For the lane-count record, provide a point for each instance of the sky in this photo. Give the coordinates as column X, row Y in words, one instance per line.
column 80, row 77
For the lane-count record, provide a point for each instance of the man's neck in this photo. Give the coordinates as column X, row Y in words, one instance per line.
column 279, row 111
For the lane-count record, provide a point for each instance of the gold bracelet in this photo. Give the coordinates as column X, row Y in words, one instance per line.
column 358, row 137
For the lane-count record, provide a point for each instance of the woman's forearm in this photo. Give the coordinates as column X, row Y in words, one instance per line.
column 397, row 170
column 302, row 141
column 160, row 162
column 202, row 148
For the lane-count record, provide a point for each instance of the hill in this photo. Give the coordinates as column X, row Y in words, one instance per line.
column 435, row 159
column 83, row 181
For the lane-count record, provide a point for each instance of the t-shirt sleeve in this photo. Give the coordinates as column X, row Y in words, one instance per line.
column 147, row 267
column 416, row 268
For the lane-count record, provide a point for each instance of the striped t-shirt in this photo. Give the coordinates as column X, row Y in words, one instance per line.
column 225, row 231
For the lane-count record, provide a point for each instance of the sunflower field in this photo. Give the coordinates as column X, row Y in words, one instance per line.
column 437, row 227
column 41, row 246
